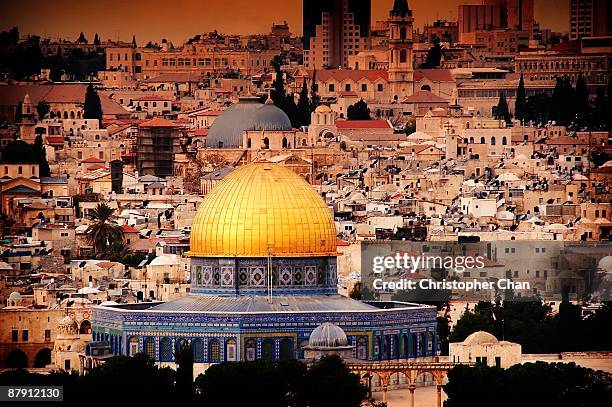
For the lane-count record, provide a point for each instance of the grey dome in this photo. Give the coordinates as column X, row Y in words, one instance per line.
column 247, row 114
column 270, row 117
column 327, row 335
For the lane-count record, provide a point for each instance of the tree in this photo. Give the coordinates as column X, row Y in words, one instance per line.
column 358, row 111
column 315, row 99
column 96, row 40
column 43, row 165
column 81, row 39
column 184, row 373
column 558, row 384
column 434, row 55
column 303, row 106
column 520, row 104
column 92, row 107
column 42, row 109
column 502, row 112
column 581, row 100
column 103, row 230
column 118, row 251
column 19, row 112
column 330, row 383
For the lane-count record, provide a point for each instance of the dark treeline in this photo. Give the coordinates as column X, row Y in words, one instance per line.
column 24, row 59
column 531, row 384
column 328, row 382
column 531, row 323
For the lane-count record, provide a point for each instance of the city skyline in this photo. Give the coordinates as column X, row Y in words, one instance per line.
column 60, row 20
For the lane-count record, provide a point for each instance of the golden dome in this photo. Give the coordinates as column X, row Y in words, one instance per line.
column 263, row 208
column 322, row 109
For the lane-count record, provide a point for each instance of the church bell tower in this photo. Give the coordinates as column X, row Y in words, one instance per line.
column 400, row 51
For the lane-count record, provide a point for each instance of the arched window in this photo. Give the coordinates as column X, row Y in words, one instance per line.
column 149, row 347
column 20, row 170
column 250, row 352
column 504, row 141
column 165, row 350
column 230, row 350
column 266, row 143
column 426, row 87
column 72, row 116
column 403, row 56
column 85, row 327
column 214, row 354
column 284, row 142
column 132, row 345
column 471, row 140
column 492, row 141
column 482, row 140
column 198, row 350
column 286, row 349
column 267, row 349
column 249, row 142
column 16, row 359
column 402, row 33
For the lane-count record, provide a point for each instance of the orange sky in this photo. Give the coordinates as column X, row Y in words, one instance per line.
column 178, row 20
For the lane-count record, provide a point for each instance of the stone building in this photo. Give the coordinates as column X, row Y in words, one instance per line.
column 482, row 347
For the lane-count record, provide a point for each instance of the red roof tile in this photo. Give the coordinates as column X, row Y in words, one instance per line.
column 434, row 75
column 152, row 98
column 363, row 124
column 94, row 160
column 129, row 229
column 158, row 122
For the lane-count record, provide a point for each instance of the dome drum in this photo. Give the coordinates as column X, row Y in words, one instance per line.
column 292, row 275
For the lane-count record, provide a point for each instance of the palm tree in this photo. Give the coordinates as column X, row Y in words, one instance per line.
column 118, row 251
column 103, row 231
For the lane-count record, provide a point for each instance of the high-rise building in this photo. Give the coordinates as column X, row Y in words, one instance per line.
column 333, row 30
column 520, row 15
column 400, row 50
column 514, row 15
column 590, row 18
column 157, row 143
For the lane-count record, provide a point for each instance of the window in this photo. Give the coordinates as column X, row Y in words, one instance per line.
column 347, row 87
column 14, row 335
column 214, row 351
column 403, row 56
column 364, row 87
column 25, row 335
column 47, row 335
column 380, row 87
column 331, row 87
column 67, row 364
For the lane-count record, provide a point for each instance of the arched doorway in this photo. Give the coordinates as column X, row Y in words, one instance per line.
column 284, row 142
column 267, row 349
column 16, row 359
column 396, row 347
column 387, row 350
column 414, row 348
column 85, row 327
column 42, row 358
column 286, row 349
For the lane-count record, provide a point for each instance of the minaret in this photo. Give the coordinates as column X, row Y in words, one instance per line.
column 400, row 50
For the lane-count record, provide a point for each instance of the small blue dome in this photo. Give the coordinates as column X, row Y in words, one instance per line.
column 248, row 114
